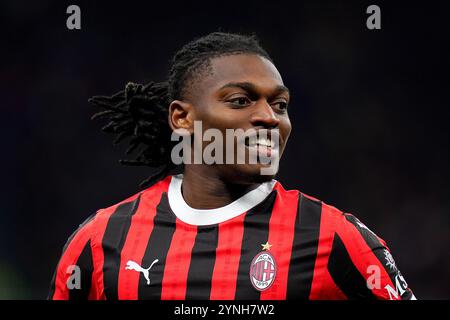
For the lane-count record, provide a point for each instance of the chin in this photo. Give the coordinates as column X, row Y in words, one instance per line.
column 248, row 174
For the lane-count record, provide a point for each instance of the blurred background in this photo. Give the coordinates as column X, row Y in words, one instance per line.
column 370, row 114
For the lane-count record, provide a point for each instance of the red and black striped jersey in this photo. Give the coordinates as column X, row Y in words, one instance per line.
column 269, row 244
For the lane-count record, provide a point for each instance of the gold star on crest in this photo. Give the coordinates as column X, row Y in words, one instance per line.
column 266, row 246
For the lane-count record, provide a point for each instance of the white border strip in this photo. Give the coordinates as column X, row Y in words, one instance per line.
column 203, row 217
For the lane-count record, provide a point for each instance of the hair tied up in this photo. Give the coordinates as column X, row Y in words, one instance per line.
column 140, row 112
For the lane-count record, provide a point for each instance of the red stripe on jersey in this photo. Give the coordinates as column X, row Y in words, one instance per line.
column 93, row 291
column 323, row 286
column 281, row 237
column 363, row 257
column 228, row 253
column 136, row 242
column 69, row 258
column 178, row 259
column 98, row 257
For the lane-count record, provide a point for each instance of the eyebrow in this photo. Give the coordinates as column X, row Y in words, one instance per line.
column 250, row 87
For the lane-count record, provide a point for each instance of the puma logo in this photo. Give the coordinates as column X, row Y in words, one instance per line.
column 131, row 265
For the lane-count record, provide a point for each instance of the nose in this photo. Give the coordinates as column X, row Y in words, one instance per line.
column 264, row 116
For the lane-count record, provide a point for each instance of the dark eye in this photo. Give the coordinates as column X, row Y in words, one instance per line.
column 282, row 105
column 241, row 101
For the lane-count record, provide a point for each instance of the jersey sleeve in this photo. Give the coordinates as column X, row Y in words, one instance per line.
column 72, row 278
column 363, row 265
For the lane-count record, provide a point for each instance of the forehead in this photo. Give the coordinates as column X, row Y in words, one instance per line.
column 240, row 68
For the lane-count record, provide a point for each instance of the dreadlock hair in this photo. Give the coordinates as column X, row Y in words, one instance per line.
column 141, row 111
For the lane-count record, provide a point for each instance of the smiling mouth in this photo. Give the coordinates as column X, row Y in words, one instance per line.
column 263, row 147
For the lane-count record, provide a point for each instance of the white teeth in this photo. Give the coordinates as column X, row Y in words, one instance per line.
column 262, row 142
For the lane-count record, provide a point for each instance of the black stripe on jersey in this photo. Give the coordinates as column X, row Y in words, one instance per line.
column 112, row 245
column 52, row 284
column 202, row 263
column 345, row 274
column 304, row 248
column 86, row 265
column 382, row 253
column 164, row 224
column 256, row 232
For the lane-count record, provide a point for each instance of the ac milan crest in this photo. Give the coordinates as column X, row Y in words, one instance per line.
column 263, row 270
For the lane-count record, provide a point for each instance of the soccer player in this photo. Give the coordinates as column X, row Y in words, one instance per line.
column 218, row 231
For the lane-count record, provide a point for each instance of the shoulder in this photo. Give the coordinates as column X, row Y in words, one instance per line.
column 341, row 223
column 90, row 232
column 332, row 220
column 309, row 203
column 97, row 223
column 129, row 204
column 356, row 258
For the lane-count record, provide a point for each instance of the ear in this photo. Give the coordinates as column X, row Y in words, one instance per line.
column 181, row 116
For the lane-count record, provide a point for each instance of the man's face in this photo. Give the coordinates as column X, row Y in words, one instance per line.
column 243, row 91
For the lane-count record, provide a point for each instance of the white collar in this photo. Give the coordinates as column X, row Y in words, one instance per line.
column 202, row 217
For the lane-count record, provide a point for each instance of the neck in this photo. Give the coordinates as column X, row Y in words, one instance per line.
column 202, row 189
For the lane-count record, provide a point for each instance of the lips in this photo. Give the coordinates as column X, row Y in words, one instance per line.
column 261, row 142
column 263, row 147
